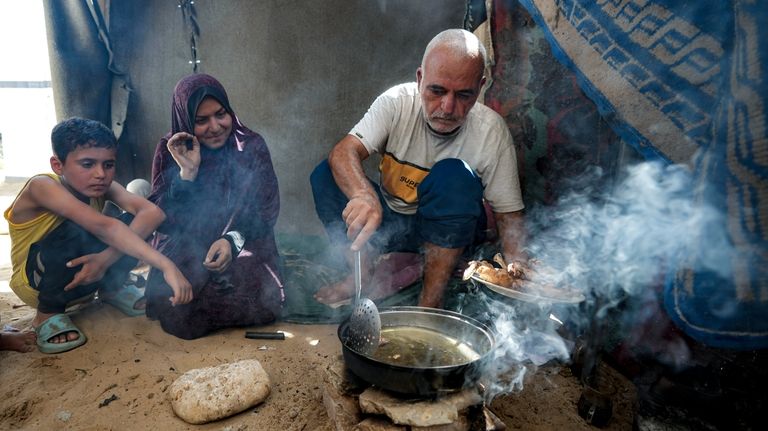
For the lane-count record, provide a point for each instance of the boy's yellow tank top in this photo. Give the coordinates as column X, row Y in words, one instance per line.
column 23, row 235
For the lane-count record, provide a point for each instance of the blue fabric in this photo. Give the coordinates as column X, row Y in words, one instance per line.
column 449, row 212
column 450, row 204
column 685, row 82
column 48, row 259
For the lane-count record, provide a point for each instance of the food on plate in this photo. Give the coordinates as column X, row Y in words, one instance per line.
column 521, row 278
column 512, row 275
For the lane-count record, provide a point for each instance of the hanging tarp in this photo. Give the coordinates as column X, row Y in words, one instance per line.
column 79, row 74
column 686, row 82
column 86, row 82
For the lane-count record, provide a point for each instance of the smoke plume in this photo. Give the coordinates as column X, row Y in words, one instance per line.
column 612, row 246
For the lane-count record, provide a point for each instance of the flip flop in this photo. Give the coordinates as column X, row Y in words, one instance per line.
column 124, row 299
column 56, row 325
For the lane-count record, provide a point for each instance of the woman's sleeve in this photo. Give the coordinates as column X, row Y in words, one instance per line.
column 258, row 217
column 169, row 191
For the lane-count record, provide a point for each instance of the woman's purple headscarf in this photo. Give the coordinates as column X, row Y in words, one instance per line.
column 188, row 94
column 236, row 187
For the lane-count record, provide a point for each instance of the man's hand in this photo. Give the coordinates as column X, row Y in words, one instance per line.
column 185, row 150
column 182, row 290
column 363, row 212
column 363, row 216
column 94, row 268
column 219, row 256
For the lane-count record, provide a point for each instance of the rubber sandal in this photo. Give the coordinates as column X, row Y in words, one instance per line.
column 56, row 325
column 124, row 299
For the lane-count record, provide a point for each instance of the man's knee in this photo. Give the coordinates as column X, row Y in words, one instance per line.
column 451, row 176
column 321, row 176
column 328, row 198
column 450, row 204
column 452, row 186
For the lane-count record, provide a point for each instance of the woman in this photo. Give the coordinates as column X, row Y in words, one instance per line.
column 214, row 179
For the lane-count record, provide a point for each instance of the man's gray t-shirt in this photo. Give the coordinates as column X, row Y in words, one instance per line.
column 395, row 127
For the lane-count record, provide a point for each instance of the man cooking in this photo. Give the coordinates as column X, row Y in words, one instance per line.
column 442, row 158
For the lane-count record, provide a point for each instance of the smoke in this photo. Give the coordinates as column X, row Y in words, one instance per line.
column 612, row 246
column 615, row 244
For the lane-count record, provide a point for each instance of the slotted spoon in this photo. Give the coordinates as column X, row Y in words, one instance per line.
column 364, row 323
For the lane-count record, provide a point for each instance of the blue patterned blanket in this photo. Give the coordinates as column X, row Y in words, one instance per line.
column 687, row 82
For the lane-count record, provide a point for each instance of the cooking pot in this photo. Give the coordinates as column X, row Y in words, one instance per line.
column 464, row 344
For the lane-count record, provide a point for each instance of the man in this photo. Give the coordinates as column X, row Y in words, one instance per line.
column 442, row 156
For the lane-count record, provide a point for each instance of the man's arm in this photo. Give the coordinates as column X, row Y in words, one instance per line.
column 363, row 212
column 512, row 233
column 45, row 193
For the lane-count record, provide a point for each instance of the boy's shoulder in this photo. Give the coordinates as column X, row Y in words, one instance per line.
column 27, row 206
column 41, row 194
column 50, row 175
column 38, row 181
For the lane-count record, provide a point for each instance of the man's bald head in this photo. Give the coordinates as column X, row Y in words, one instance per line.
column 460, row 44
column 450, row 79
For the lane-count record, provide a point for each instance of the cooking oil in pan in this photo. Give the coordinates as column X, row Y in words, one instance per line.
column 409, row 346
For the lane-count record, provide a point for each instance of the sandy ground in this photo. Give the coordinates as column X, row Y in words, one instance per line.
column 131, row 362
column 134, row 360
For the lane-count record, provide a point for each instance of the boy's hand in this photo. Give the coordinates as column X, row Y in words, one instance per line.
column 185, row 150
column 94, row 267
column 219, row 256
column 182, row 290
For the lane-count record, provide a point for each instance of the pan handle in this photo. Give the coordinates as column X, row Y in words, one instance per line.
column 264, row 335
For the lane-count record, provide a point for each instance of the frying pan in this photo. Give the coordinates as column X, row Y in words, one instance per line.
column 423, row 379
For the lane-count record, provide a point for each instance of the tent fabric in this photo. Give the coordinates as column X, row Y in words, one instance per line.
column 86, row 81
column 685, row 82
column 558, row 132
column 79, row 74
column 121, row 88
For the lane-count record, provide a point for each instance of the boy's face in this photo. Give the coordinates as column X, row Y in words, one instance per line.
column 87, row 171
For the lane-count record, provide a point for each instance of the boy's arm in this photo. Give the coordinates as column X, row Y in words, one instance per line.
column 146, row 215
column 47, row 194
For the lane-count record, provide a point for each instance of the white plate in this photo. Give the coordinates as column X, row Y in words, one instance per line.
column 563, row 297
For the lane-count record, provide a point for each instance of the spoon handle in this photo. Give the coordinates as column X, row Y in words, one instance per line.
column 358, row 277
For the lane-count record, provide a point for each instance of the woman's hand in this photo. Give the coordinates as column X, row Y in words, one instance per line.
column 185, row 150
column 219, row 256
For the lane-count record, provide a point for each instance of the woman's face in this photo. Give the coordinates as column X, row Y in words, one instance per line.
column 213, row 124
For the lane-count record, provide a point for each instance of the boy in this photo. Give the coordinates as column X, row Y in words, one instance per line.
column 64, row 249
